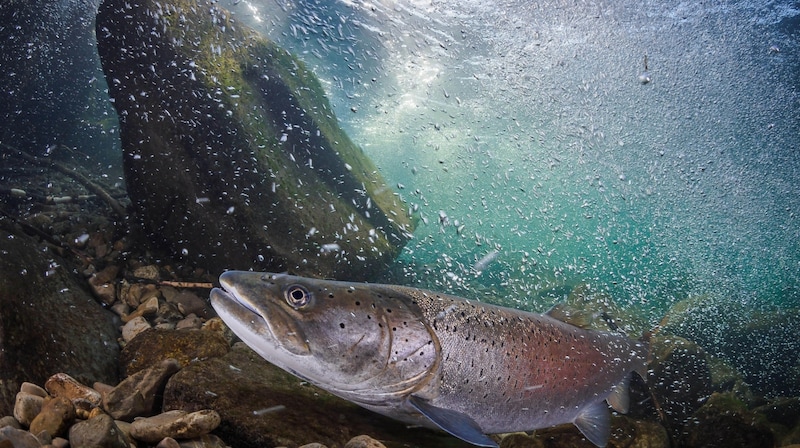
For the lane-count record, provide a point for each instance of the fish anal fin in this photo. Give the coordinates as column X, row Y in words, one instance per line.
column 453, row 422
column 618, row 398
column 594, row 423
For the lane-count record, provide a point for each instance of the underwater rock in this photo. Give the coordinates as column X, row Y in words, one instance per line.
column 261, row 405
column 27, row 407
column 724, row 421
column 99, row 431
column 679, row 379
column 55, row 418
column 63, row 385
column 175, row 424
column 155, row 346
column 233, row 157
column 18, row 438
column 49, row 321
column 727, row 329
column 136, row 395
column 363, row 441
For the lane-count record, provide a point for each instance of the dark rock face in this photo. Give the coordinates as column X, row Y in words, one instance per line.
column 48, row 322
column 232, row 155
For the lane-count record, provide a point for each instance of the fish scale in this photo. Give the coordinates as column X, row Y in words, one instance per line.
column 432, row 359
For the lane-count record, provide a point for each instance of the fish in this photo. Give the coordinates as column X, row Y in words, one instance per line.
column 432, row 359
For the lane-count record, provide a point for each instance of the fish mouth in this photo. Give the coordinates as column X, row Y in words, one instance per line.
column 253, row 312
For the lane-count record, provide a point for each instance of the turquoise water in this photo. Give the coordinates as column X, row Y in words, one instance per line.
column 526, row 130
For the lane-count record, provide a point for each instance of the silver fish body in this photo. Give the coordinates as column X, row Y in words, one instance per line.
column 433, row 359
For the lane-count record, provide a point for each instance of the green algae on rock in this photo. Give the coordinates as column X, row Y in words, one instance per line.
column 232, row 154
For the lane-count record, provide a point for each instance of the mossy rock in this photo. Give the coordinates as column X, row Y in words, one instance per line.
column 152, row 346
column 233, row 157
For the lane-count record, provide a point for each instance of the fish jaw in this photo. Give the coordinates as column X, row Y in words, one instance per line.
column 262, row 325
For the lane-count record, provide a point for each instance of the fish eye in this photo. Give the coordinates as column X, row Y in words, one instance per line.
column 297, row 296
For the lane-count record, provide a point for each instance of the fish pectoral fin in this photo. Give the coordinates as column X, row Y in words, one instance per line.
column 453, row 422
column 618, row 398
column 594, row 423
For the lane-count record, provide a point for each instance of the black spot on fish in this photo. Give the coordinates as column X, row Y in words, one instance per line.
column 358, row 303
column 341, row 325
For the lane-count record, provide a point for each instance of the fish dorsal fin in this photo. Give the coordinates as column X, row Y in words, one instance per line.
column 618, row 398
column 453, row 422
column 594, row 423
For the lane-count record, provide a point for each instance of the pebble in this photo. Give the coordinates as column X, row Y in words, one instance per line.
column 55, row 418
column 26, row 407
column 176, row 424
column 189, row 303
column 206, row 441
column 168, row 442
column 137, row 293
column 18, row 438
column 136, row 395
column 148, row 308
column 149, row 272
column 191, row 321
column 135, row 326
column 9, row 421
column 363, row 441
column 63, row 385
column 33, row 389
column 99, row 432
column 313, row 445
column 59, row 442
column 102, row 286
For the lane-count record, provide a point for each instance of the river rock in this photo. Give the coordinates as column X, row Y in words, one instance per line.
column 17, row 438
column 727, row 329
column 33, row 389
column 63, row 385
column 55, row 418
column 176, row 424
column 48, row 321
column 136, row 395
column 363, row 441
column 9, row 421
column 27, row 407
column 679, row 379
column 155, row 346
column 134, row 327
column 97, row 432
column 236, row 138
column 725, row 421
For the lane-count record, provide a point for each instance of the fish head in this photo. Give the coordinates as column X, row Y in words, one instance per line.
column 359, row 341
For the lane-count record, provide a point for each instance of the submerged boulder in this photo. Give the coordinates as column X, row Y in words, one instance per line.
column 48, row 322
column 232, row 154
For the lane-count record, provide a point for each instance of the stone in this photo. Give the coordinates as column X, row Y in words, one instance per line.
column 363, row 441
column 18, row 438
column 137, row 394
column 59, row 442
column 97, row 432
column 27, row 407
column 134, row 327
column 49, row 321
column 783, row 410
column 314, row 445
column 725, row 421
column 261, row 405
column 56, row 417
column 133, row 294
column 148, row 308
column 102, row 286
column 189, row 303
column 206, row 441
column 153, row 347
column 679, row 378
column 149, row 272
column 33, row 389
column 168, row 442
column 9, row 421
column 727, row 329
column 63, row 385
column 190, row 322
column 176, row 424
column 254, row 109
